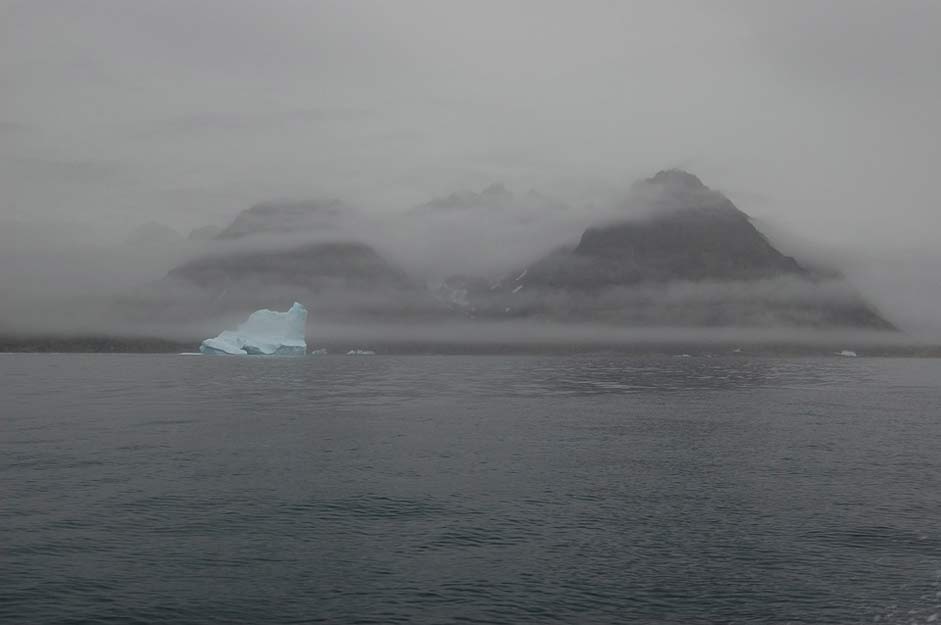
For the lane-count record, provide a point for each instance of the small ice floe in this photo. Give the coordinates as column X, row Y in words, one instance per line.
column 683, row 356
column 846, row 353
column 319, row 352
column 360, row 352
column 522, row 275
column 190, row 354
column 737, row 350
column 517, row 289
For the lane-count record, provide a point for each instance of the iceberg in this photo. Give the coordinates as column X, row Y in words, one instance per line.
column 264, row 333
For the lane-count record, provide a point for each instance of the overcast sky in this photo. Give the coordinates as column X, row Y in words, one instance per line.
column 823, row 114
column 821, row 117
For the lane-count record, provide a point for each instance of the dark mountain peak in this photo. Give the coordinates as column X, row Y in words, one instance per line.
column 692, row 233
column 330, row 261
column 497, row 191
column 677, row 179
column 692, row 237
column 676, row 193
column 310, row 266
column 283, row 217
column 494, row 196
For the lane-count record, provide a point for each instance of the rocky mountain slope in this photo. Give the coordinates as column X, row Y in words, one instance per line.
column 280, row 252
column 684, row 255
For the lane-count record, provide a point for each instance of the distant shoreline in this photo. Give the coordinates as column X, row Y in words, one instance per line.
column 151, row 345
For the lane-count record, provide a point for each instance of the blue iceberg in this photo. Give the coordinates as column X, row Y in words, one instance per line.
column 264, row 333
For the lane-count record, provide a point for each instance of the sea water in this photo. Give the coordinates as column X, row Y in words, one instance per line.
column 413, row 489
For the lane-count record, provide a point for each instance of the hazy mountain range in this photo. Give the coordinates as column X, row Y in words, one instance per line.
column 680, row 254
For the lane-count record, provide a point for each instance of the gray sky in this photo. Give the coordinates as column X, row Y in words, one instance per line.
column 819, row 116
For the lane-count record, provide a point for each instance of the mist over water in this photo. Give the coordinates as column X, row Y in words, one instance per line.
column 812, row 119
column 59, row 283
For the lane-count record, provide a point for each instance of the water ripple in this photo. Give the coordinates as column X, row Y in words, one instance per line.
column 583, row 489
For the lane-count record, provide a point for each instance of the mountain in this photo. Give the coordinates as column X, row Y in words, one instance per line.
column 287, row 217
column 496, row 200
column 683, row 254
column 679, row 254
column 279, row 252
column 686, row 232
column 313, row 266
column 494, row 196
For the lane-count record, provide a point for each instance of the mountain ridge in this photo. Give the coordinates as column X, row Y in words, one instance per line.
column 688, row 239
column 688, row 256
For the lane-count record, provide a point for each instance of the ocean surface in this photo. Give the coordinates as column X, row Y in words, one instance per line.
column 451, row 489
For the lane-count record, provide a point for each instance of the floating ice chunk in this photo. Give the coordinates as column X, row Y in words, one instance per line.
column 319, row 352
column 360, row 352
column 847, row 353
column 517, row 289
column 265, row 333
